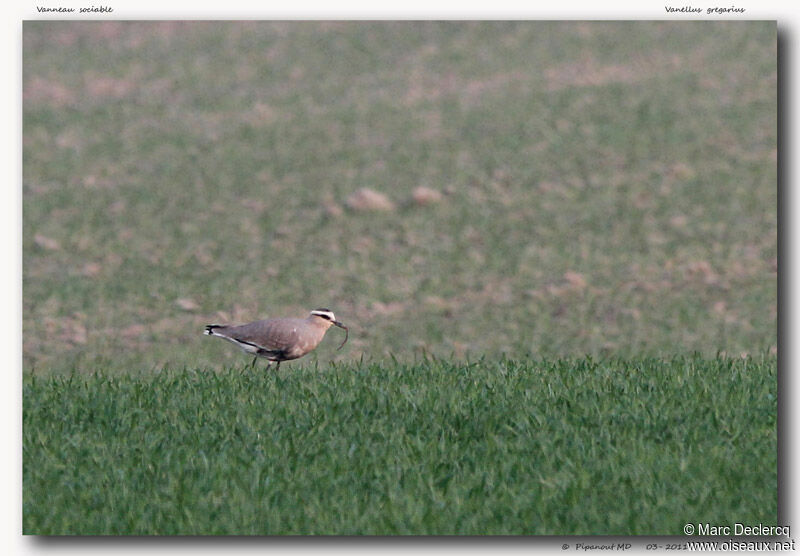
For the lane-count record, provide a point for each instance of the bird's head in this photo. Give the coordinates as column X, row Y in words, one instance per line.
column 327, row 315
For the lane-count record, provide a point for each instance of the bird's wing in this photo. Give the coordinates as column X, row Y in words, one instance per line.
column 270, row 334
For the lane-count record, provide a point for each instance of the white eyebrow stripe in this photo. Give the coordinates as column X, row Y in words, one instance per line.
column 324, row 314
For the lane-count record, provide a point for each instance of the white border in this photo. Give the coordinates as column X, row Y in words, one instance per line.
column 10, row 219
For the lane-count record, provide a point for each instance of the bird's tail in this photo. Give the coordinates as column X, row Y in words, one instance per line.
column 210, row 329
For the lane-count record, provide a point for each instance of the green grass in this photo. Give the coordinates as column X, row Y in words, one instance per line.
column 610, row 187
column 562, row 447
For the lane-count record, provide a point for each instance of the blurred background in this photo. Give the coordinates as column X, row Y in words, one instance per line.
column 456, row 189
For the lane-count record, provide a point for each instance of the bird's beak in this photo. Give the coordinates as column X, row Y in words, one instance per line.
column 346, row 333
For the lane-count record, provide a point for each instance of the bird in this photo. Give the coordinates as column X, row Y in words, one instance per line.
column 279, row 339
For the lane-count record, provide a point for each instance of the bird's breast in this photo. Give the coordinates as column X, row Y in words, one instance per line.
column 306, row 341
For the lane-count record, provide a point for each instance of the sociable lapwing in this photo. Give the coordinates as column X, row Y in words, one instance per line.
column 280, row 339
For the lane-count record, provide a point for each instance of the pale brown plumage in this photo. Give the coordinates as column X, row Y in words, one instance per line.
column 279, row 339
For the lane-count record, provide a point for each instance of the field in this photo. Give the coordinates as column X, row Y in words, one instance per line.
column 607, row 188
column 554, row 243
column 571, row 447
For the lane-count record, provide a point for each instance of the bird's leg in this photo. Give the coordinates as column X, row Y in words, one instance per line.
column 253, row 364
column 278, row 366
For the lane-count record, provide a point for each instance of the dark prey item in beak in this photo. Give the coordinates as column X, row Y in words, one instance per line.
column 346, row 333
